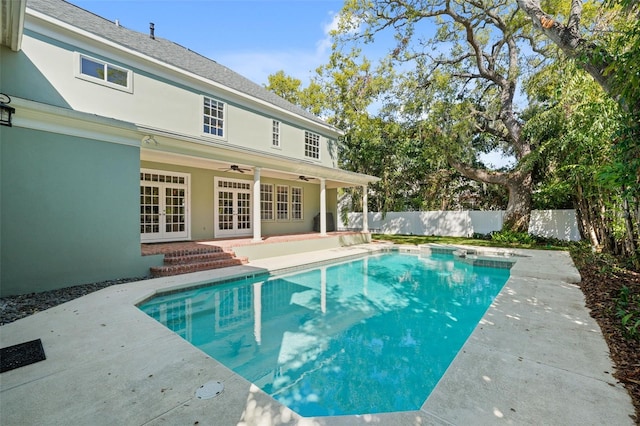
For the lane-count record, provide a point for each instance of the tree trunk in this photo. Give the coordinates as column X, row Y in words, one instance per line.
column 586, row 221
column 630, row 242
column 519, row 185
column 518, row 212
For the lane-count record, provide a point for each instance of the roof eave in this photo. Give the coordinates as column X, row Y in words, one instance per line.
column 12, row 23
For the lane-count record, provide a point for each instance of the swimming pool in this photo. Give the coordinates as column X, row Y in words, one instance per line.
column 370, row 335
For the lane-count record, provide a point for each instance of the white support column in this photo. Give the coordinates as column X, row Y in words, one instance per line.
column 323, row 207
column 257, row 221
column 365, row 209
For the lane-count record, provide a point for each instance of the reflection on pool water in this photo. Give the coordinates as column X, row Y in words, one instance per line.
column 371, row 335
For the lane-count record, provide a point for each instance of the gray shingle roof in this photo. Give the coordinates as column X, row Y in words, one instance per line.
column 163, row 50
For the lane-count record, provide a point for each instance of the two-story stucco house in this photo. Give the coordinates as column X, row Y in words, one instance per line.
column 120, row 137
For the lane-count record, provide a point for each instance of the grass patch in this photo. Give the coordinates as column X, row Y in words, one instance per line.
column 524, row 241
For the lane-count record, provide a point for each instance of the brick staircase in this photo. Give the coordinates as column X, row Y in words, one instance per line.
column 197, row 259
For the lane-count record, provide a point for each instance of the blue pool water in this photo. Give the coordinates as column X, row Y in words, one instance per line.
column 370, row 335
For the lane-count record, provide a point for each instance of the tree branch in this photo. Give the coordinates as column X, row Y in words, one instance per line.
column 568, row 39
column 487, row 176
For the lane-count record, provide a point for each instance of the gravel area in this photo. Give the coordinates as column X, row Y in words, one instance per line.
column 12, row 308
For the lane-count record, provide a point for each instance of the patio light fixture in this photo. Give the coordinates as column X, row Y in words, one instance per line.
column 5, row 110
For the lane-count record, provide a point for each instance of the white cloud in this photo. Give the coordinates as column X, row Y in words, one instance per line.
column 258, row 65
column 301, row 64
column 323, row 46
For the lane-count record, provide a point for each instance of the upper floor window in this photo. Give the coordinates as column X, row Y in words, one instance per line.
column 311, row 145
column 275, row 138
column 213, row 113
column 101, row 72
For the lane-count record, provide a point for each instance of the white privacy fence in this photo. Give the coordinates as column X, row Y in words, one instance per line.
column 560, row 224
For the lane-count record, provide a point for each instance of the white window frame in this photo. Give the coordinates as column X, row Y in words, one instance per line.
column 311, row 145
column 203, row 116
column 267, row 203
column 282, row 204
column 275, row 134
column 297, row 205
column 78, row 57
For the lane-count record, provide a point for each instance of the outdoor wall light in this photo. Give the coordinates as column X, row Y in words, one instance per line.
column 149, row 139
column 5, row 110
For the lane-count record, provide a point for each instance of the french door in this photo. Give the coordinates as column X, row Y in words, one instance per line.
column 164, row 206
column 232, row 208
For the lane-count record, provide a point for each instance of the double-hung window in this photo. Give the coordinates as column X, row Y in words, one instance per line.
column 311, row 145
column 296, row 203
column 282, row 202
column 266, row 201
column 275, row 134
column 213, row 117
column 101, row 72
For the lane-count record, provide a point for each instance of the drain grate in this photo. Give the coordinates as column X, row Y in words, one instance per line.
column 20, row 355
column 210, row 390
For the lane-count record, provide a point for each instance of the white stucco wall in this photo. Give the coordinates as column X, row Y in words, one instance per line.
column 159, row 98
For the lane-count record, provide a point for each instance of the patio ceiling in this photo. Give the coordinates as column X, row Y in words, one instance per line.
column 158, row 146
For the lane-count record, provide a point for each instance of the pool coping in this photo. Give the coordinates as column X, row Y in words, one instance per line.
column 536, row 357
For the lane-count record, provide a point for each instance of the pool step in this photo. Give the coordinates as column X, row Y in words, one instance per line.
column 193, row 260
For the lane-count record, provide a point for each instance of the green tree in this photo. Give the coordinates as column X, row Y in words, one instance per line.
column 311, row 98
column 474, row 59
column 363, row 101
column 285, row 86
column 607, row 46
column 574, row 123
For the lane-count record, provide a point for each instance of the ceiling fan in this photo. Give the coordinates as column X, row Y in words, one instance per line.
column 235, row 168
column 304, row 178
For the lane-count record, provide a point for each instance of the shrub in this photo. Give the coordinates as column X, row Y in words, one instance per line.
column 479, row 236
column 510, row 237
column 628, row 311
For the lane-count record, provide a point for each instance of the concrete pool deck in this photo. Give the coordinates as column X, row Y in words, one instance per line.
column 537, row 357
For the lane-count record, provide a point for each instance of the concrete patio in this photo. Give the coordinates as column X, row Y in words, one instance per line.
column 537, row 357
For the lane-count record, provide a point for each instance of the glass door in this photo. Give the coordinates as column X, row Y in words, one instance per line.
column 163, row 206
column 233, row 208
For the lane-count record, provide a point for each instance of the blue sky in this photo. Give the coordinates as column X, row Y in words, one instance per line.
column 255, row 38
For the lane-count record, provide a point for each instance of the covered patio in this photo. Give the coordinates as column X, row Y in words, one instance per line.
column 233, row 243
column 192, row 190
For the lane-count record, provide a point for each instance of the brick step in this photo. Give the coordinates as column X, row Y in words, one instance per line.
column 169, row 270
column 199, row 250
column 186, row 258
